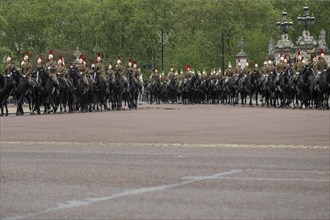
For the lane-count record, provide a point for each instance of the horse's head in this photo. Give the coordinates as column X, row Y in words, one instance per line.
column 72, row 73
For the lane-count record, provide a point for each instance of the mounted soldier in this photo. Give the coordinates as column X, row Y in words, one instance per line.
column 247, row 69
column 9, row 66
column 99, row 67
column 137, row 74
column 322, row 65
column 51, row 68
column 270, row 66
column 204, row 75
column 26, row 68
column 61, row 69
column 229, row 72
column 153, row 75
column 238, row 70
column 299, row 66
column 263, row 69
column 171, row 74
column 111, row 71
column 129, row 68
column 281, row 66
column 40, row 65
column 84, row 72
column 121, row 71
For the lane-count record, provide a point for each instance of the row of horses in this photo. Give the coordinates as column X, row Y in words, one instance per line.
column 284, row 90
column 71, row 94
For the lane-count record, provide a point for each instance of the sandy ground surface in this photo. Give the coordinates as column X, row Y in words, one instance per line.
column 167, row 162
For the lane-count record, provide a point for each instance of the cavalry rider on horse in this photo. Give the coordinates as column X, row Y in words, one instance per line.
column 111, row 72
column 62, row 71
column 263, row 69
column 99, row 67
column 247, row 69
column 299, row 67
column 26, row 69
column 9, row 66
column 154, row 74
column 51, row 67
column 171, row 74
column 281, row 66
column 121, row 70
column 270, row 66
column 84, row 72
column 40, row 65
column 137, row 74
column 229, row 72
column 322, row 65
column 129, row 70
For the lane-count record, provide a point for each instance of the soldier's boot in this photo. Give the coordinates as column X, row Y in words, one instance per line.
column 85, row 86
column 125, row 82
column 56, row 88
column 317, row 86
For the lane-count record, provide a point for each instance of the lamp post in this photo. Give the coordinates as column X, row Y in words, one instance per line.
column 283, row 46
column 285, row 25
column 223, row 37
column 306, row 20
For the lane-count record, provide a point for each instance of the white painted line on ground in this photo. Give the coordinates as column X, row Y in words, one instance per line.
column 275, row 179
column 111, row 144
column 131, row 192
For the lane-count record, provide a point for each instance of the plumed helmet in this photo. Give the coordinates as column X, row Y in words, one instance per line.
column 187, row 68
column 81, row 58
column 50, row 55
column 99, row 58
column 322, row 52
column 39, row 59
column 60, row 60
column 9, row 58
column 26, row 57
column 118, row 60
column 270, row 61
column 255, row 64
column 299, row 55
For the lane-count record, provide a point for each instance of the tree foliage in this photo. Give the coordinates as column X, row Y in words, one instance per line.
column 189, row 30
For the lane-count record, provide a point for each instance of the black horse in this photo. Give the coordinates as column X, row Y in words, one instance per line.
column 284, row 88
column 20, row 89
column 155, row 90
column 48, row 94
column 118, row 88
column 172, row 90
column 320, row 94
column 6, row 87
column 254, row 79
column 100, row 90
column 82, row 92
column 231, row 86
column 245, row 89
column 132, row 91
column 303, row 85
